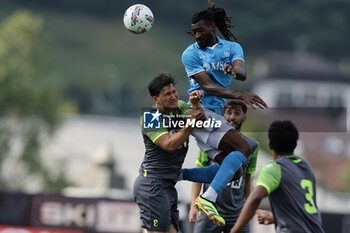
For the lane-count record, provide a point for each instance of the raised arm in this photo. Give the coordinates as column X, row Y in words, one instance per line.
column 173, row 142
column 253, row 100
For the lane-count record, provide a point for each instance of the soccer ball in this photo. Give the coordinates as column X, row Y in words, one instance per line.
column 138, row 19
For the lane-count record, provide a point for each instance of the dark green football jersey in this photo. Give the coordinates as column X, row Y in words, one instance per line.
column 158, row 163
column 232, row 198
column 290, row 183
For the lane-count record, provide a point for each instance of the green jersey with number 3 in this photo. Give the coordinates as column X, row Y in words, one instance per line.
column 290, row 183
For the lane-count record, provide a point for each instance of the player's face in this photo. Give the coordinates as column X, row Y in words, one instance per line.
column 167, row 100
column 204, row 34
column 235, row 116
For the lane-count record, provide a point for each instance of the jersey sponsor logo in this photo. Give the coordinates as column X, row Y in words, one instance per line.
column 212, row 66
column 151, row 120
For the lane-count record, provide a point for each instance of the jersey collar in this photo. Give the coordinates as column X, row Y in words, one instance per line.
column 220, row 42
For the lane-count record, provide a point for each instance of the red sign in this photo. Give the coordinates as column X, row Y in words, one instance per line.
column 13, row 229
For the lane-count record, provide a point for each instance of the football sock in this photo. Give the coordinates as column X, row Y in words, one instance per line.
column 227, row 170
column 200, row 174
column 210, row 194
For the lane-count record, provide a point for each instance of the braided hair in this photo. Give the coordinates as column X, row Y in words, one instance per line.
column 217, row 16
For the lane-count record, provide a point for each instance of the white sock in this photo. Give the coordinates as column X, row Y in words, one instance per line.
column 210, row 194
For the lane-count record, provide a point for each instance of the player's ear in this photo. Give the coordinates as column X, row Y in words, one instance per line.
column 244, row 118
column 155, row 98
column 269, row 144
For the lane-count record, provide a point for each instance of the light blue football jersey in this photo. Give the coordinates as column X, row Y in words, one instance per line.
column 211, row 60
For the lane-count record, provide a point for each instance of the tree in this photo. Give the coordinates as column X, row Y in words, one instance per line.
column 29, row 106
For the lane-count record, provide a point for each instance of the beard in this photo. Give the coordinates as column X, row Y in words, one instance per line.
column 237, row 125
column 204, row 42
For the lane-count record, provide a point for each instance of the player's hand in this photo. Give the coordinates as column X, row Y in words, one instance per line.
column 228, row 69
column 253, row 100
column 193, row 215
column 198, row 115
column 238, row 74
column 264, row 217
column 195, row 96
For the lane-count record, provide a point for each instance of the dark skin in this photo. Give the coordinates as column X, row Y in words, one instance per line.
column 253, row 202
column 205, row 35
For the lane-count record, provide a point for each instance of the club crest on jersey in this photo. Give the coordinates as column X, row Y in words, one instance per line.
column 226, row 53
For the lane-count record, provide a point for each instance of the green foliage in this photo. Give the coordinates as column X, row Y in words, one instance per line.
column 29, row 106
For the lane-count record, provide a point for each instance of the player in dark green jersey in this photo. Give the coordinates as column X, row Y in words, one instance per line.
column 166, row 148
column 290, row 184
column 230, row 200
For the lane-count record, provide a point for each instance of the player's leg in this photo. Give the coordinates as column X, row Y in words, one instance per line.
column 205, row 225
column 233, row 141
column 172, row 229
column 229, row 141
column 237, row 149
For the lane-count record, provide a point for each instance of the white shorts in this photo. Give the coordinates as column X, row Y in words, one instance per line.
column 208, row 139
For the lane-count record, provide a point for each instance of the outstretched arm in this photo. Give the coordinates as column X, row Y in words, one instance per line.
column 253, row 100
column 237, row 70
column 249, row 208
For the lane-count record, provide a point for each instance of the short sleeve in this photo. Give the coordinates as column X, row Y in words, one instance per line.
column 270, row 176
column 202, row 159
column 192, row 62
column 237, row 52
column 153, row 134
column 252, row 164
column 184, row 107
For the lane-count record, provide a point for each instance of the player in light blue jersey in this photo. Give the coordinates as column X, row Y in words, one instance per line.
column 211, row 63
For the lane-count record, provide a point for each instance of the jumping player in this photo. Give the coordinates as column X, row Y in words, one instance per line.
column 211, row 63
column 230, row 201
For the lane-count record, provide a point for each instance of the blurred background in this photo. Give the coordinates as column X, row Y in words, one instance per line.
column 73, row 82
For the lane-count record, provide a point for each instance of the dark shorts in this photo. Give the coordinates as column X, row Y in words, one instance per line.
column 157, row 201
column 204, row 225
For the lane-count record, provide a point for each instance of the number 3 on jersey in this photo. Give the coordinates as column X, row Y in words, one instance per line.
column 309, row 207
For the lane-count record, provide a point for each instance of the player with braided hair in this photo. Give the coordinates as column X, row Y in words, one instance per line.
column 211, row 63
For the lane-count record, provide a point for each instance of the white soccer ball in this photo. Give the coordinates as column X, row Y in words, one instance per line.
column 138, row 19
